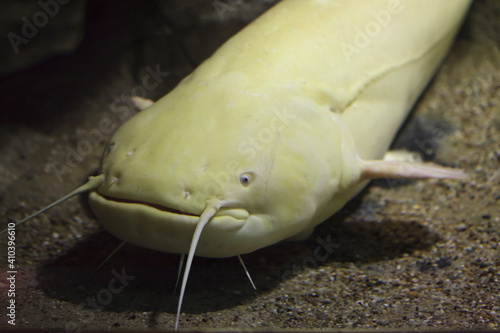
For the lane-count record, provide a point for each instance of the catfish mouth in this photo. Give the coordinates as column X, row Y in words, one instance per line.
column 153, row 205
column 231, row 217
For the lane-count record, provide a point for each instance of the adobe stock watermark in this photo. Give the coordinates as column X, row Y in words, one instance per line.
column 372, row 29
column 104, row 297
column 122, row 107
column 31, row 27
column 321, row 253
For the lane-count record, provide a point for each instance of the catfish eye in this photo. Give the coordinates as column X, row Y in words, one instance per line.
column 107, row 150
column 110, row 148
column 246, row 178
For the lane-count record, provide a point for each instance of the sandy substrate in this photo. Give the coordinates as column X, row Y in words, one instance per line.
column 402, row 255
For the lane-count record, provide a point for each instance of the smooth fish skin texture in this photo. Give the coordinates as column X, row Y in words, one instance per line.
column 275, row 132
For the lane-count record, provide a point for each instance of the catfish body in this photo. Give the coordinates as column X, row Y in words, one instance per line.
column 280, row 127
column 275, row 132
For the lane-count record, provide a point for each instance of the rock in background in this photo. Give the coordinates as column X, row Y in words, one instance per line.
column 33, row 31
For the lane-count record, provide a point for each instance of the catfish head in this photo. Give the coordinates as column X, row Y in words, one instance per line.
column 268, row 166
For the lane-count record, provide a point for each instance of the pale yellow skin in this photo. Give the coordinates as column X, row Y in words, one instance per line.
column 294, row 104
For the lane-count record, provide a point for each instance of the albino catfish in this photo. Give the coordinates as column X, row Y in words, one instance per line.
column 274, row 133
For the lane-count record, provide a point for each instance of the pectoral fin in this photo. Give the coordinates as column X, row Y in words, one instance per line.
column 141, row 103
column 403, row 155
column 407, row 170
